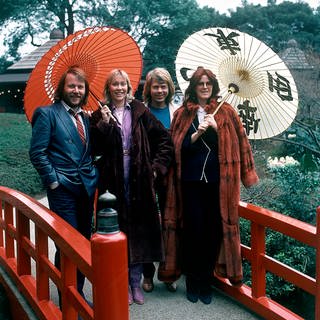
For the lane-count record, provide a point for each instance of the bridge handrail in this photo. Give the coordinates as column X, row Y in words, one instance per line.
column 17, row 248
column 255, row 297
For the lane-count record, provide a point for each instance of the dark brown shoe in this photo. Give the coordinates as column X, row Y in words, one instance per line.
column 147, row 284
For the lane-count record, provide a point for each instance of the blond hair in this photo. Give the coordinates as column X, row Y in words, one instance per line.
column 160, row 75
column 106, row 90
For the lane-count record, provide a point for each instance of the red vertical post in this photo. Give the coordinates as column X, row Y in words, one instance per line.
column 258, row 272
column 317, row 295
column 109, row 267
column 23, row 231
column 9, row 226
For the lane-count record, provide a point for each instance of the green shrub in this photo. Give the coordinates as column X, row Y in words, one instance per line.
column 16, row 170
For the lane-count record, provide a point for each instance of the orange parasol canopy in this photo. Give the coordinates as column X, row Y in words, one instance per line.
column 97, row 50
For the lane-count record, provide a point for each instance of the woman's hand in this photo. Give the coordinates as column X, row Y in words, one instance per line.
column 210, row 120
column 106, row 113
column 203, row 126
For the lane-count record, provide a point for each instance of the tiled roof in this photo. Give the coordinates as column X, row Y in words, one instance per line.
column 29, row 61
column 294, row 57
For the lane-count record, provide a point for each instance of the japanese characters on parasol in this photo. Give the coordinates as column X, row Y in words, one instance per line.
column 252, row 78
column 97, row 50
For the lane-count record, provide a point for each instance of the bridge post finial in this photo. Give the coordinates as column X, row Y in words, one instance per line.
column 109, row 263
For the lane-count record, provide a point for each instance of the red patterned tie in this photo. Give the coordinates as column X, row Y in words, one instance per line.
column 79, row 127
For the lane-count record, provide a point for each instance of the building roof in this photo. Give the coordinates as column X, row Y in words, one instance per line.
column 294, row 57
column 21, row 70
column 30, row 60
column 14, row 77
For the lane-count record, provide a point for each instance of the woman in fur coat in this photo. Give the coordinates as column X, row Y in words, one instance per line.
column 212, row 155
column 134, row 149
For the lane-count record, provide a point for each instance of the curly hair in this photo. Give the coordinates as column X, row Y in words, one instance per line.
column 190, row 93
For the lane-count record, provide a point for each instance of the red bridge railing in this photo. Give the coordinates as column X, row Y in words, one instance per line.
column 255, row 298
column 19, row 248
column 22, row 246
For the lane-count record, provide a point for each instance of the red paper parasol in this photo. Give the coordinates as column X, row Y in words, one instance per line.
column 97, row 51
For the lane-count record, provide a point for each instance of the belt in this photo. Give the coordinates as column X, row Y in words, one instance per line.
column 126, row 152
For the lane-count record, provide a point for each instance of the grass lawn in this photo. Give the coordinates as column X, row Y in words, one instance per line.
column 16, row 170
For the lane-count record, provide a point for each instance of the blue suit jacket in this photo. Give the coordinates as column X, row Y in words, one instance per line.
column 56, row 150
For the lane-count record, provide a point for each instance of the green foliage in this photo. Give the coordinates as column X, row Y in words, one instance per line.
column 291, row 253
column 4, row 64
column 305, row 147
column 16, row 170
column 160, row 27
column 11, row 9
column 276, row 24
column 161, row 48
column 279, row 288
column 294, row 188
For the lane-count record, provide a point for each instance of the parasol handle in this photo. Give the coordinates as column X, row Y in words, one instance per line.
column 109, row 112
column 101, row 106
column 232, row 88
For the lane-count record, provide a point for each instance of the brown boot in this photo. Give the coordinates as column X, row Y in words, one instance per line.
column 147, row 284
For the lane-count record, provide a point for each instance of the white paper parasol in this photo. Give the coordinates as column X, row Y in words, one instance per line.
column 267, row 100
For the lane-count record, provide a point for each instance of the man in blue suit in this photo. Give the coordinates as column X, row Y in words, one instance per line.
column 62, row 156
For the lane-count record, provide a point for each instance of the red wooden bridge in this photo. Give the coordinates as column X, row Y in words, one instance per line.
column 27, row 227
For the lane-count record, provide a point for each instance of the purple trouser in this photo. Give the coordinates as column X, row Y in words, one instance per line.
column 135, row 272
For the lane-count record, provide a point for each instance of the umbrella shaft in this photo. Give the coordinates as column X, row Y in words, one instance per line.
column 221, row 102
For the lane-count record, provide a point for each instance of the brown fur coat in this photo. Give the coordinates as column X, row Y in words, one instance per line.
column 151, row 151
column 236, row 164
